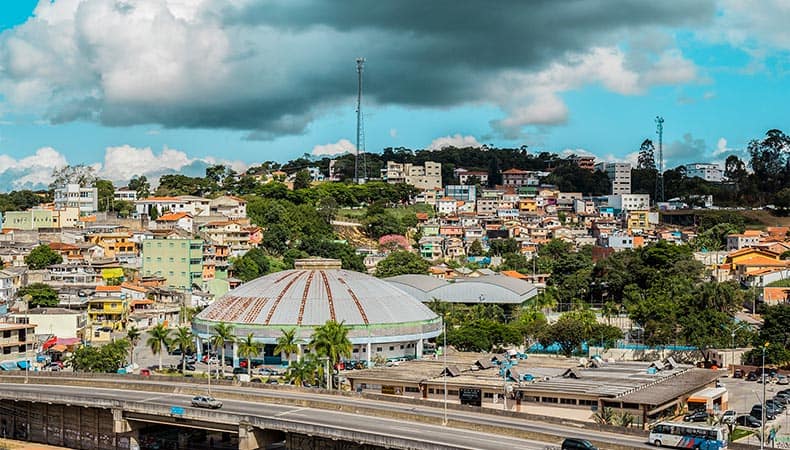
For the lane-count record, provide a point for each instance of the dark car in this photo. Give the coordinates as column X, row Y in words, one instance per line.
column 757, row 412
column 738, row 373
column 751, row 376
column 779, row 407
column 748, row 421
column 574, row 444
column 696, row 416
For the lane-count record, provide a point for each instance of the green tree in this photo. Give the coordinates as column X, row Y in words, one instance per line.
column 223, row 334
column 105, row 359
column 330, row 340
column 301, row 372
column 249, row 348
column 475, row 248
column 287, row 343
column 302, row 179
column 184, row 340
column 158, row 340
column 646, row 159
column 78, row 174
column 105, row 193
column 251, row 265
column 400, row 263
column 782, row 201
column 141, row 186
column 123, row 208
column 133, row 336
column 776, row 333
column 40, row 295
column 42, row 257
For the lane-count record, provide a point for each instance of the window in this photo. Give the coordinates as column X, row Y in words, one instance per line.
column 488, row 395
column 549, row 399
column 378, row 349
column 412, row 389
column 567, row 401
column 392, row 347
column 452, row 392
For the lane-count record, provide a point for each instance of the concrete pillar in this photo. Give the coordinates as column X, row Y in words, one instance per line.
column 298, row 352
column 251, row 438
column 235, row 354
column 119, row 423
column 198, row 348
column 419, row 348
column 183, row 441
column 370, row 349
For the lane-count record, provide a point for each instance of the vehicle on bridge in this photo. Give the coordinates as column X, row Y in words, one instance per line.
column 201, row 401
column 684, row 435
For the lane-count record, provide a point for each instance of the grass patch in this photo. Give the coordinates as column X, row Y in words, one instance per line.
column 357, row 214
column 740, row 433
column 779, row 283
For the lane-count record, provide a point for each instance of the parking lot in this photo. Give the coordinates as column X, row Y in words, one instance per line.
column 744, row 394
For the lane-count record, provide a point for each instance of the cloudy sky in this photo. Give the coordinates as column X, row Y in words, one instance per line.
column 148, row 86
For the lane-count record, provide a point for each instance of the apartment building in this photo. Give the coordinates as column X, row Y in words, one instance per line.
column 619, row 174
column 628, row 202
column 178, row 259
column 427, row 176
column 16, row 341
column 32, row 219
column 707, row 171
column 76, row 196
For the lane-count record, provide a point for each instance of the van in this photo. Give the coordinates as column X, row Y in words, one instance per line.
column 577, row 444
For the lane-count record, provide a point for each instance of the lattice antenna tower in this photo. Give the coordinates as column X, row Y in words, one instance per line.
column 359, row 162
column 660, row 179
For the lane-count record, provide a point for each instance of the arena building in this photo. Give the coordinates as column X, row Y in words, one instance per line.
column 382, row 319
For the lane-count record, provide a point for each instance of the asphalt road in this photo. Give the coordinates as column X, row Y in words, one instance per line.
column 259, row 396
column 462, row 439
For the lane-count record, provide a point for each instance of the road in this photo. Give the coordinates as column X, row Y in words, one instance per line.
column 260, row 396
column 462, row 439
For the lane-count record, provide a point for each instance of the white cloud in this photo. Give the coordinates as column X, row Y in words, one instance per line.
column 393, row 132
column 456, row 140
column 123, row 162
column 32, row 171
column 338, row 148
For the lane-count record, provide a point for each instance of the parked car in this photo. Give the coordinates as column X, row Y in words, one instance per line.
column 239, row 370
column 191, row 359
column 738, row 373
column 782, row 379
column 577, row 444
column 748, row 421
column 782, row 399
column 751, row 376
column 265, row 371
column 200, row 401
column 784, row 391
column 728, row 416
column 778, row 406
column 696, row 416
column 757, row 411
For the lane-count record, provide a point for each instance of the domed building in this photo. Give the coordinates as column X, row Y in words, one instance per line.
column 382, row 319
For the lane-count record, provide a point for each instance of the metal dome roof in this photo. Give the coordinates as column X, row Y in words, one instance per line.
column 310, row 296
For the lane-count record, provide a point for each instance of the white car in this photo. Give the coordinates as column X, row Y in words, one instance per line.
column 201, row 401
column 729, row 417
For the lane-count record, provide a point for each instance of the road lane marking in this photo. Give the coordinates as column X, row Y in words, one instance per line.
column 289, row 412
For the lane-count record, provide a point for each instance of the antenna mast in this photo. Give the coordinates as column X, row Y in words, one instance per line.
column 660, row 179
column 360, row 157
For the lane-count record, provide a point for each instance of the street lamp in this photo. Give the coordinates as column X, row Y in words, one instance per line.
column 444, row 372
column 762, row 423
column 732, row 351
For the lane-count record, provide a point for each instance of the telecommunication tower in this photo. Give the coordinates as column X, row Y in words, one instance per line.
column 359, row 161
column 660, row 179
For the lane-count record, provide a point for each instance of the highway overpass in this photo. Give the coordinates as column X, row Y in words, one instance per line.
column 95, row 412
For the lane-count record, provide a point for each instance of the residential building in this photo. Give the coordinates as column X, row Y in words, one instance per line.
column 78, row 276
column 117, row 245
column 107, row 313
column 315, row 174
column 748, row 238
column 639, row 221
column 32, row 219
column 124, row 194
column 229, row 206
column 518, row 177
column 171, row 221
column 628, row 202
column 446, row 206
column 73, row 195
column 707, row 171
column 230, row 233
column 427, row 176
column 59, row 322
column 619, row 174
column 467, row 193
column 585, row 162
column 178, row 259
column 469, row 175
column 8, row 286
column 196, row 206
column 16, row 340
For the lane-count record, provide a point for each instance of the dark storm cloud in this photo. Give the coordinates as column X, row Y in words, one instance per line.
column 284, row 63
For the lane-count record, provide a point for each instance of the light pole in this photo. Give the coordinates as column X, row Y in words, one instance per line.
column 732, row 351
column 762, row 422
column 444, row 372
column 208, row 359
column 27, row 299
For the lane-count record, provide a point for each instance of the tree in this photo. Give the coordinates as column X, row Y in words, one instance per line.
column 141, row 186
column 646, row 158
column 401, row 263
column 302, row 179
column 301, row 372
column 158, row 340
column 105, row 359
column 105, row 193
column 223, row 334
column 123, row 208
column 782, row 201
column 776, row 333
column 735, row 169
column 79, row 174
column 287, row 343
column 499, row 247
column 183, row 340
column 40, row 295
column 475, row 248
column 133, row 336
column 769, row 160
column 248, row 348
column 42, row 257
column 330, row 340
column 251, row 265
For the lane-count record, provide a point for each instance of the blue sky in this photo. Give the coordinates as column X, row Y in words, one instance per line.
column 153, row 86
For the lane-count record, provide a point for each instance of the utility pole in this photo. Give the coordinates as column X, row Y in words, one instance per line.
column 660, row 179
column 360, row 156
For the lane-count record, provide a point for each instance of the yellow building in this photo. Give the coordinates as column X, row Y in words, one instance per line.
column 107, row 314
column 116, row 245
column 639, row 220
column 527, row 205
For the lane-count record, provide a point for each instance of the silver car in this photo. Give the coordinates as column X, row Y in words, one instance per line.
column 200, row 401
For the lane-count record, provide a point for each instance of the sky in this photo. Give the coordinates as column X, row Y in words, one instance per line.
column 146, row 87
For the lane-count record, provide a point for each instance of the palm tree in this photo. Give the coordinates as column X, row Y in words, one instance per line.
column 287, row 343
column 183, row 340
column 158, row 340
column 133, row 336
column 223, row 334
column 330, row 340
column 248, row 348
column 301, row 371
column 609, row 310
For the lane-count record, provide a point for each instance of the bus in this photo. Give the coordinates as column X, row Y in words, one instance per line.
column 682, row 435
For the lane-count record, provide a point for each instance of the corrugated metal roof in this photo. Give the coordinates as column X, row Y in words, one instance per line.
column 311, row 297
column 487, row 289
